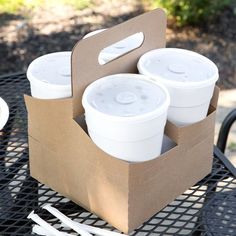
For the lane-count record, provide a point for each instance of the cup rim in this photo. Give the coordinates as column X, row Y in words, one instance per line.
column 32, row 78
column 139, row 118
column 178, row 84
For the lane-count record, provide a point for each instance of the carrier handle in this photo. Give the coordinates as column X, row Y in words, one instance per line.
column 85, row 65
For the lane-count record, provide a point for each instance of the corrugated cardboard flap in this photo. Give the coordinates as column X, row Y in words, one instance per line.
column 189, row 135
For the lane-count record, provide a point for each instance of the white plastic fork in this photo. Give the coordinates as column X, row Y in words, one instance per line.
column 96, row 230
column 90, row 229
column 47, row 227
column 37, row 229
column 67, row 221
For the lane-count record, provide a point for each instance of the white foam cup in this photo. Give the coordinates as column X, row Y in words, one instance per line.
column 4, row 113
column 189, row 77
column 50, row 76
column 126, row 115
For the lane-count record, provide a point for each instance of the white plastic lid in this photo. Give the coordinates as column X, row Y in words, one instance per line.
column 52, row 69
column 4, row 113
column 126, row 96
column 178, row 67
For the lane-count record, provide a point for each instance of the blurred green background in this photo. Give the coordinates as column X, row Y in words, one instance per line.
column 192, row 11
column 182, row 11
column 13, row 6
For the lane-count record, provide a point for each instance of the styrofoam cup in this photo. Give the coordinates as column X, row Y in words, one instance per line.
column 126, row 115
column 4, row 113
column 189, row 77
column 50, row 76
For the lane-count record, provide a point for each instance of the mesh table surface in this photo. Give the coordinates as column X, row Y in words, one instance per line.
column 208, row 208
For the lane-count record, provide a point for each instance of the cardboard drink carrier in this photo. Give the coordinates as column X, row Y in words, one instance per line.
column 63, row 156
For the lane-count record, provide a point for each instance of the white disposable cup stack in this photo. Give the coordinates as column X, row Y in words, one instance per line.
column 189, row 77
column 50, row 76
column 126, row 115
column 4, row 113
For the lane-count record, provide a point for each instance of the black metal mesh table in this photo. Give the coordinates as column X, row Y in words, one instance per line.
column 208, row 208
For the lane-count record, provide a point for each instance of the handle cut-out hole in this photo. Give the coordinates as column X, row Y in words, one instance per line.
column 120, row 48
